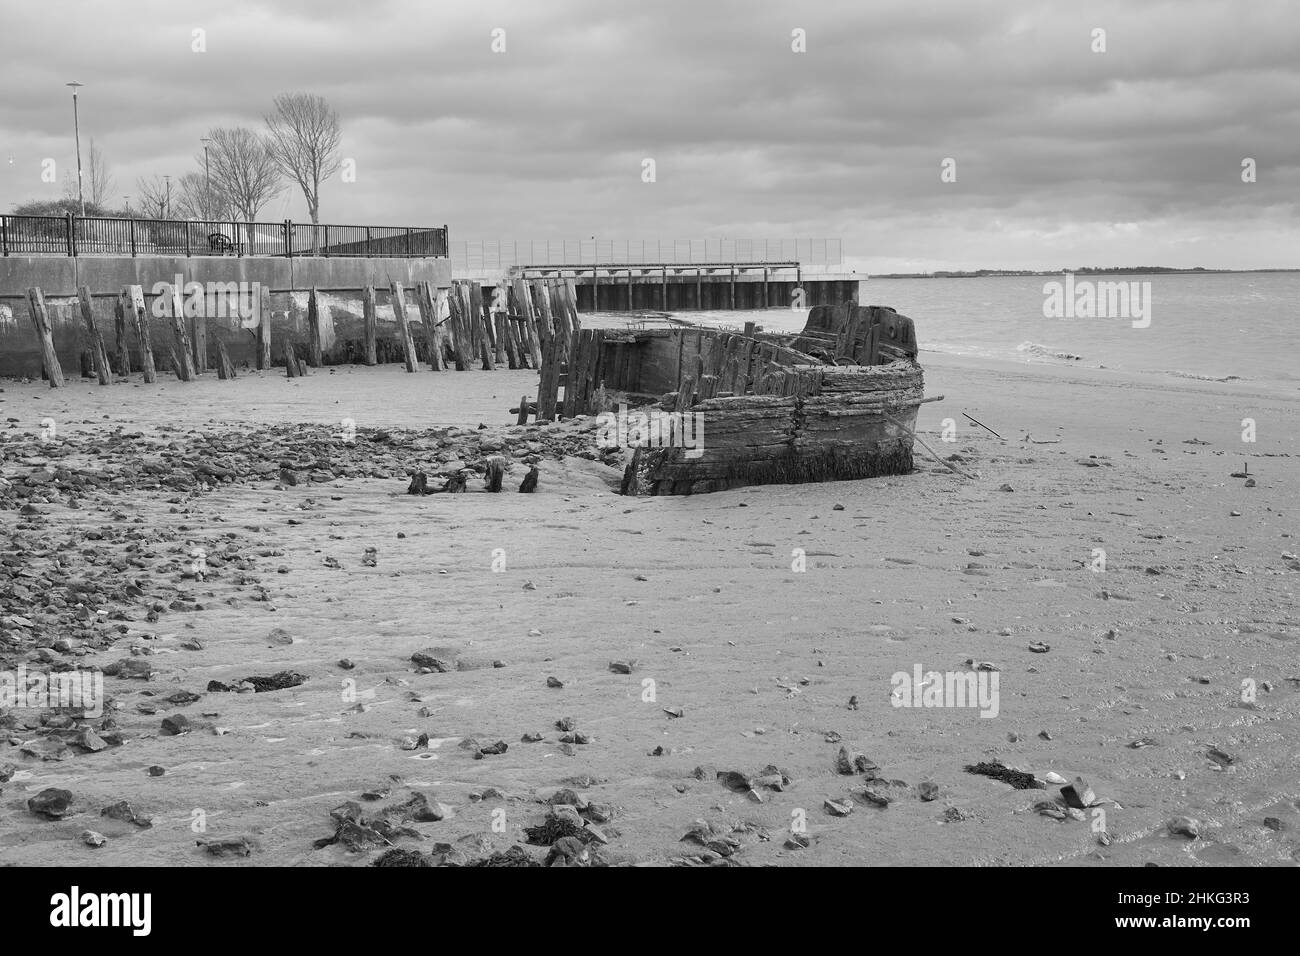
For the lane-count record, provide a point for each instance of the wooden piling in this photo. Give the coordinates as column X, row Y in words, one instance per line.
column 183, row 353
column 523, row 411
column 291, row 369
column 371, row 323
column 455, row 327
column 119, row 332
column 424, row 298
column 41, row 321
column 314, row 357
column 548, row 388
column 484, row 341
column 98, row 351
column 133, row 304
column 403, row 327
column 225, row 368
column 263, row 357
column 201, row 339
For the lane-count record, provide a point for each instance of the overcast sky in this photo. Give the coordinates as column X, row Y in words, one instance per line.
column 1064, row 156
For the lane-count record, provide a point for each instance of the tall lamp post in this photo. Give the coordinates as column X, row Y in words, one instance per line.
column 76, row 129
column 207, row 179
column 167, row 199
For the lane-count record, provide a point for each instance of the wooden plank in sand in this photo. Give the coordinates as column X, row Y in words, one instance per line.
column 225, row 368
column 98, row 351
column 403, row 327
column 371, row 323
column 426, row 299
column 41, row 321
column 314, row 357
column 133, row 305
column 183, row 353
column 119, row 333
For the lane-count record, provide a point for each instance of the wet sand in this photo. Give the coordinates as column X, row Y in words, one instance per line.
column 928, row 569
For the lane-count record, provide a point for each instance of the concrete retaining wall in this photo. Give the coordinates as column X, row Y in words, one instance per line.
column 59, row 278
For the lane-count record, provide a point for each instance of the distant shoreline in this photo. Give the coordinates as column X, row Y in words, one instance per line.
column 1130, row 270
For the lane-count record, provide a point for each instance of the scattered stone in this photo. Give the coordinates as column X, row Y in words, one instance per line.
column 233, row 846
column 997, row 771
column 51, row 803
column 280, row 681
column 554, row 682
column 175, row 725
column 621, row 667
column 837, row 808
column 927, row 791
column 91, row 838
column 1184, row 826
column 1078, row 794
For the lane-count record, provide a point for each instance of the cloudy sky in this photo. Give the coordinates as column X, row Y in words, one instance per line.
column 1063, row 156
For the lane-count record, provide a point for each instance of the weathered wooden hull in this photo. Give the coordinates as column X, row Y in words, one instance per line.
column 857, row 424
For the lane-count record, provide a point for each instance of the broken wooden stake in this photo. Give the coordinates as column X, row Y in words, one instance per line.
column 98, row 351
column 41, row 320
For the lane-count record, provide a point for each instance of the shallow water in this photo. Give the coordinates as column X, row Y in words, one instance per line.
column 1204, row 326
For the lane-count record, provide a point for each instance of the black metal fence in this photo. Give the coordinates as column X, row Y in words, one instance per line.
column 95, row 236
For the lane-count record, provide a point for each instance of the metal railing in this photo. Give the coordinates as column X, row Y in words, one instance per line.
column 483, row 255
column 100, row 236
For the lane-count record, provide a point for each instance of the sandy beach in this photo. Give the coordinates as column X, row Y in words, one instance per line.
column 698, row 595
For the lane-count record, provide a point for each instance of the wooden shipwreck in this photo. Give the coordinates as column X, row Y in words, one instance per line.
column 835, row 401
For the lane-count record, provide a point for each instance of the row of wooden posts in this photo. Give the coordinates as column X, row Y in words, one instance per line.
column 129, row 306
column 538, row 328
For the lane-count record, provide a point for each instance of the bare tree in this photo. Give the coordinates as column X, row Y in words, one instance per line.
column 197, row 198
column 154, row 196
column 304, row 136
column 243, row 171
column 99, row 180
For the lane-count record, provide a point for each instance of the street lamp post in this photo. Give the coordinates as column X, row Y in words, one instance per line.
column 167, row 199
column 76, row 129
column 207, row 179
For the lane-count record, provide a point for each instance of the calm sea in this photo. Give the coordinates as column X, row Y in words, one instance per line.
column 1213, row 326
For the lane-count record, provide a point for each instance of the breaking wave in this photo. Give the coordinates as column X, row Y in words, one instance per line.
column 1046, row 351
